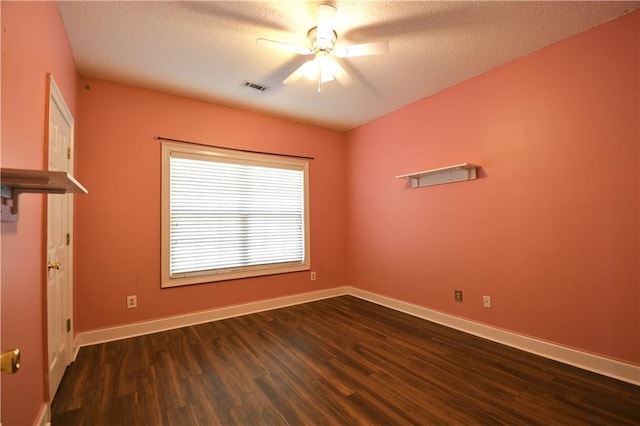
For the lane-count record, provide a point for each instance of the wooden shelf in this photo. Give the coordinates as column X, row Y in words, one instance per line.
column 449, row 174
column 17, row 181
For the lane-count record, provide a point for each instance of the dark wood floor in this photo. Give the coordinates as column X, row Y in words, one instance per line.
column 339, row 361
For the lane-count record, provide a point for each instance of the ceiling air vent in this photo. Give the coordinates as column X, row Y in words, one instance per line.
column 255, row 86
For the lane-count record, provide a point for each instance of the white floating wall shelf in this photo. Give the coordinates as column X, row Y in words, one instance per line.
column 17, row 181
column 449, row 174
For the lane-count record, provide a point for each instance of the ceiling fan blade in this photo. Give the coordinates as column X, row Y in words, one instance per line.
column 283, row 46
column 364, row 49
column 326, row 21
column 298, row 73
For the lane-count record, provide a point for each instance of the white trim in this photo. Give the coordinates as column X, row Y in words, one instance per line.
column 44, row 417
column 608, row 367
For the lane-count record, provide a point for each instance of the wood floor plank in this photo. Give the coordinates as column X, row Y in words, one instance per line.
column 339, row 361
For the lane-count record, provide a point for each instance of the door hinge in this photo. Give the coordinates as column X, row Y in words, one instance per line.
column 69, row 153
column 68, row 325
column 68, row 238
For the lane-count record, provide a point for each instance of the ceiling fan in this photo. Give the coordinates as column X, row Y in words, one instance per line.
column 324, row 67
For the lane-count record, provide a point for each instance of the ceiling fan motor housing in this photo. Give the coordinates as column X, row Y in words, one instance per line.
column 322, row 43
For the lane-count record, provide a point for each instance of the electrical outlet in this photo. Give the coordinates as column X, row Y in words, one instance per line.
column 132, row 302
column 313, row 276
column 458, row 295
column 486, row 301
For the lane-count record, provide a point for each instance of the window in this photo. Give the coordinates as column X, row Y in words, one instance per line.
column 228, row 214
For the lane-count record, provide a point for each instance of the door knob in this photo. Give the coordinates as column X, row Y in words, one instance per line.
column 53, row 265
column 10, row 361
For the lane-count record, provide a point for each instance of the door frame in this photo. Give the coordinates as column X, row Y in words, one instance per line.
column 55, row 96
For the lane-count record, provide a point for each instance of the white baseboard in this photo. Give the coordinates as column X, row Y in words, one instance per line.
column 102, row 335
column 609, row 367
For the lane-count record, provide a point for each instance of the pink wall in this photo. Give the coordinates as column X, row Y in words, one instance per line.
column 549, row 231
column 118, row 223
column 34, row 43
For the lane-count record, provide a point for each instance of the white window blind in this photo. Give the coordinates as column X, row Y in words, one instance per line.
column 232, row 215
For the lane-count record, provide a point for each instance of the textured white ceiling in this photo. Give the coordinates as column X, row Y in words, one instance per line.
column 206, row 50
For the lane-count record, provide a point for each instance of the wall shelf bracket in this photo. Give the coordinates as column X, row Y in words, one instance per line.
column 14, row 182
column 449, row 174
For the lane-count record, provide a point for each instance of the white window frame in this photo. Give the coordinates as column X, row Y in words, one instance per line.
column 239, row 157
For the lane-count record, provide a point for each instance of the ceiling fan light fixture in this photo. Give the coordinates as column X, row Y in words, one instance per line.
column 320, row 68
column 328, row 69
column 310, row 69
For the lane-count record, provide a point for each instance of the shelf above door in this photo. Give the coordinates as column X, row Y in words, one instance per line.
column 14, row 182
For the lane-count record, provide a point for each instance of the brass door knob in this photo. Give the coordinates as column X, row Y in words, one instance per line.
column 10, row 361
column 53, row 265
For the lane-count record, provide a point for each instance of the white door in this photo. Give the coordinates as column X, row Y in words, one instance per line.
column 59, row 267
